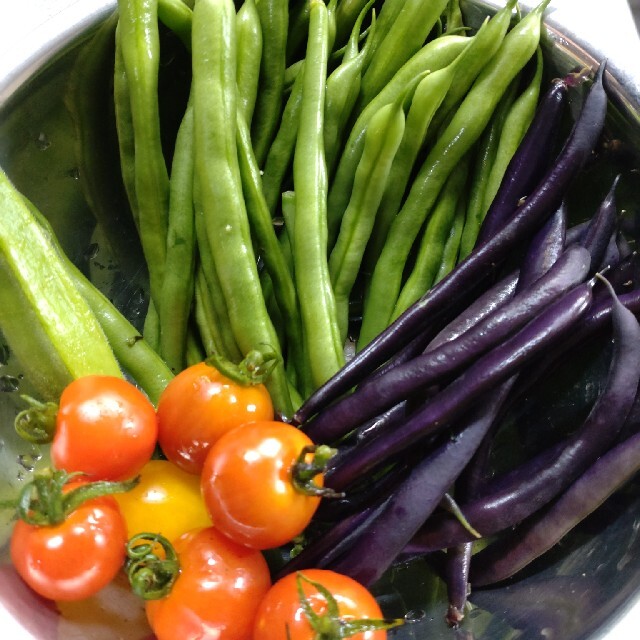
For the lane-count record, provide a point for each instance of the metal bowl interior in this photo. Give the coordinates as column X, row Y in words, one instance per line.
column 57, row 144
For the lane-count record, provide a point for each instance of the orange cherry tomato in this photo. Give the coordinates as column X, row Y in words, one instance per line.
column 281, row 615
column 198, row 406
column 247, row 484
column 105, row 427
column 217, row 592
column 76, row 558
column 166, row 500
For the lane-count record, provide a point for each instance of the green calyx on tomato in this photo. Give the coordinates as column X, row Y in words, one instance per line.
column 305, row 471
column 255, row 368
column 329, row 625
column 44, row 502
column 151, row 576
column 36, row 423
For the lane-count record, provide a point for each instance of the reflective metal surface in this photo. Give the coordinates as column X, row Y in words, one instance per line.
column 588, row 588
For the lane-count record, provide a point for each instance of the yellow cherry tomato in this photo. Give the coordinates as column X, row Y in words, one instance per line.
column 167, row 500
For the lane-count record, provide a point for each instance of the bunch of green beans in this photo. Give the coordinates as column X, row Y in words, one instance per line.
column 334, row 160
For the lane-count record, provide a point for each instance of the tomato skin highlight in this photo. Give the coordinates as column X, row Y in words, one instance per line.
column 105, row 427
column 198, row 406
column 217, row 592
column 281, row 616
column 247, row 487
column 75, row 559
column 167, row 500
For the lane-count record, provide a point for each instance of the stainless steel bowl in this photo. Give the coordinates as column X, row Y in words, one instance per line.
column 588, row 588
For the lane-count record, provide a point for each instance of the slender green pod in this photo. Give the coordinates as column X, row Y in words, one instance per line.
column 384, row 134
column 428, row 96
column 431, row 250
column 315, row 295
column 454, row 21
column 347, row 13
column 46, row 322
column 220, row 188
column 389, row 12
column 274, row 20
column 484, row 45
column 343, row 87
column 435, row 55
column 466, row 126
column 280, row 153
column 210, row 324
column 485, row 155
column 249, row 58
column 452, row 243
column 178, row 284
column 298, row 30
column 177, row 16
column 140, row 46
column 516, row 123
column 406, row 36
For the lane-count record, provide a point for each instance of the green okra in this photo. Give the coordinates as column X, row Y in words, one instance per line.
column 46, row 322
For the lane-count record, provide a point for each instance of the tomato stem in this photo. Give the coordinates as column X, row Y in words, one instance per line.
column 329, row 625
column 151, row 576
column 305, row 471
column 43, row 501
column 254, row 369
column 36, row 423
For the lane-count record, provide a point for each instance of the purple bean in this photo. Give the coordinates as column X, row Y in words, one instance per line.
column 509, row 499
column 488, row 371
column 461, row 283
column 457, row 567
column 610, row 472
column 383, row 391
column 374, row 551
column 531, row 159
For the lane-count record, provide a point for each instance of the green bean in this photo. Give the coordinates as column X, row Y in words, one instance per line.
column 249, row 58
column 466, row 126
column 140, row 46
column 452, row 243
column 427, row 98
column 343, row 87
column 291, row 73
column 433, row 56
column 431, row 250
column 176, row 15
column 210, row 324
column 298, row 29
column 274, row 20
column 195, row 351
column 316, row 299
column 383, row 137
column 453, row 17
column 281, row 151
column 177, row 286
column 262, row 227
column 406, row 37
column 389, row 13
column 516, row 123
column 485, row 155
column 347, row 13
column 480, row 51
column 219, row 183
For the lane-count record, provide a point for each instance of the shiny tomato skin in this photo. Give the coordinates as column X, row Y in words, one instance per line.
column 105, row 427
column 281, row 616
column 166, row 500
column 247, row 487
column 217, row 592
column 75, row 559
column 198, row 406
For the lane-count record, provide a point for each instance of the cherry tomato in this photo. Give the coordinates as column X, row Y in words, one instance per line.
column 167, row 500
column 105, row 427
column 217, row 592
column 198, row 406
column 75, row 559
column 281, row 615
column 247, row 484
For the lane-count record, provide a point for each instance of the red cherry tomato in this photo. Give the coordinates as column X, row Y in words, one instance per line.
column 198, row 406
column 281, row 615
column 105, row 428
column 247, row 484
column 217, row 592
column 75, row 559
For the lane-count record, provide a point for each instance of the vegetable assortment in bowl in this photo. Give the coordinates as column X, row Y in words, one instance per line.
column 351, row 289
